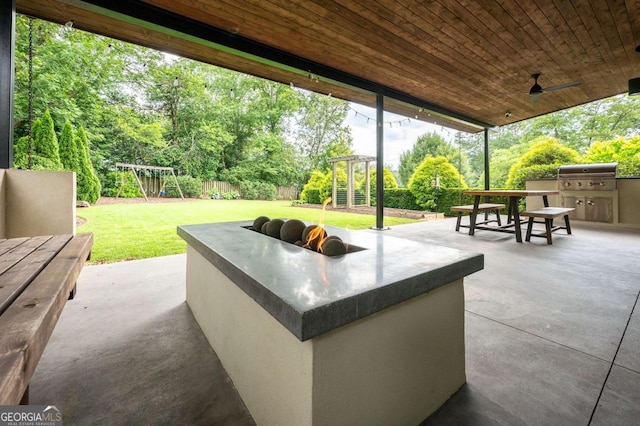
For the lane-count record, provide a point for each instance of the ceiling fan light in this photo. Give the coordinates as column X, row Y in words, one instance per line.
column 634, row 86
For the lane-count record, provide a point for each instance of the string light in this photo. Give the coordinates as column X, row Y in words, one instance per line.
column 443, row 130
column 390, row 123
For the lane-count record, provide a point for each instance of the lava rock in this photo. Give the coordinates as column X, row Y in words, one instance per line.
column 291, row 231
column 263, row 228
column 258, row 222
column 332, row 237
column 334, row 247
column 273, row 228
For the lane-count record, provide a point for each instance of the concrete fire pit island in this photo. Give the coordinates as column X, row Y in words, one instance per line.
column 375, row 336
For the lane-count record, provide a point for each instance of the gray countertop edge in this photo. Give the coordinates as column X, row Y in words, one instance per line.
column 352, row 308
column 312, row 323
column 286, row 314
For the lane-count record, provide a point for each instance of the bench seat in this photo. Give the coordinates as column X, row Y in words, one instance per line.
column 483, row 207
column 38, row 275
column 548, row 214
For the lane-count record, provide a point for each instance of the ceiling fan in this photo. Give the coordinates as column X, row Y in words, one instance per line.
column 536, row 90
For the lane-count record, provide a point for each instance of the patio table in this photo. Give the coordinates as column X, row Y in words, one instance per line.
column 513, row 223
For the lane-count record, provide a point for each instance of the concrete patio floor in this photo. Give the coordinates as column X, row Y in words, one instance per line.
column 552, row 337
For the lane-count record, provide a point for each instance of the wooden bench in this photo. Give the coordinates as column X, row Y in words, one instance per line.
column 548, row 214
column 482, row 207
column 37, row 276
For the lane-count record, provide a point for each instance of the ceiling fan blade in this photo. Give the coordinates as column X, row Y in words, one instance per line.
column 562, row 86
column 535, row 97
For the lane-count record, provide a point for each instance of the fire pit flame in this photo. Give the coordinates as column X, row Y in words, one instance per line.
column 312, row 237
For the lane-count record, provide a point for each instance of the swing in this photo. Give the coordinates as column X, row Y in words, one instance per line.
column 155, row 178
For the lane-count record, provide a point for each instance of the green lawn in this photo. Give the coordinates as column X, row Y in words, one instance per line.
column 137, row 231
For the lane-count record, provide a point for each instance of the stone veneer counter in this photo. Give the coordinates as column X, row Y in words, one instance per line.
column 311, row 294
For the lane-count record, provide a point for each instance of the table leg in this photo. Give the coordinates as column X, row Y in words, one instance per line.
column 474, row 215
column 513, row 205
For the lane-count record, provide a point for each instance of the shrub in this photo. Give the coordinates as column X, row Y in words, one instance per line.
column 214, row 194
column 112, row 182
column 542, row 160
column 257, row 190
column 423, row 183
column 191, row 187
column 518, row 177
column 323, row 182
column 311, row 196
column 399, row 198
column 231, row 195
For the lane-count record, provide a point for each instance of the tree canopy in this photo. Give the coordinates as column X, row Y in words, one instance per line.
column 138, row 105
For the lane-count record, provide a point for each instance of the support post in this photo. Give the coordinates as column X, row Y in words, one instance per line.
column 379, row 161
column 349, row 184
column 367, row 186
column 334, row 190
column 487, row 181
column 7, row 58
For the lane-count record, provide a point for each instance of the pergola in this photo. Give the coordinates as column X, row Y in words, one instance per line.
column 463, row 65
column 351, row 161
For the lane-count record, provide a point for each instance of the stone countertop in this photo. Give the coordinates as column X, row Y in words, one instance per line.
column 310, row 293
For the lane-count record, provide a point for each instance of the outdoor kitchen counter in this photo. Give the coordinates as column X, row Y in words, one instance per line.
column 310, row 293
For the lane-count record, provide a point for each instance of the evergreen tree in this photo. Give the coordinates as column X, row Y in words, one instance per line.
column 68, row 148
column 88, row 183
column 44, row 153
column 47, row 152
column 429, row 144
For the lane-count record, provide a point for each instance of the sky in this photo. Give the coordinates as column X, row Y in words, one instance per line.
column 400, row 133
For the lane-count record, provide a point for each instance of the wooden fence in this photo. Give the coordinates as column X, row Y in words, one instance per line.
column 282, row 192
column 220, row 186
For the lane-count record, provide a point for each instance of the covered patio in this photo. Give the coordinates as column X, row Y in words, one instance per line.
column 552, row 332
column 552, row 337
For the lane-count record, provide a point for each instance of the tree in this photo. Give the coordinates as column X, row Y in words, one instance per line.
column 543, row 159
column 431, row 172
column 68, row 148
column 88, row 184
column 320, row 133
column 625, row 152
column 44, row 151
column 429, row 144
column 269, row 159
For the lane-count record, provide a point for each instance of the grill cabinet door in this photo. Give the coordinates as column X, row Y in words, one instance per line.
column 578, row 204
column 598, row 209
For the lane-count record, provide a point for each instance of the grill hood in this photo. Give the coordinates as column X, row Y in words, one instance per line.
column 588, row 170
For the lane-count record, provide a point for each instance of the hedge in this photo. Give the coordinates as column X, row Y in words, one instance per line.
column 399, row 198
column 257, row 190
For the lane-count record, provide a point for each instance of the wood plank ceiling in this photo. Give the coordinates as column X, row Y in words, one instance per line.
column 473, row 59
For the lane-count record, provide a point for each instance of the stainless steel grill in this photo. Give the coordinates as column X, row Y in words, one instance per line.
column 595, row 182
column 589, row 177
